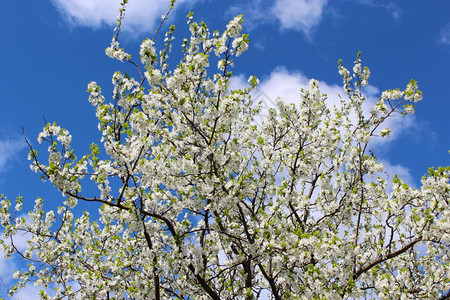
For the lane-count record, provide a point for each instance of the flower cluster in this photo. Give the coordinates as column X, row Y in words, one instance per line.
column 114, row 51
column 148, row 53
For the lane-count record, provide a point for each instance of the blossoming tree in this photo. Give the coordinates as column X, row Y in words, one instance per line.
column 199, row 201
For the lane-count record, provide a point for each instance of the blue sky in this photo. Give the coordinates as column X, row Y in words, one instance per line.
column 51, row 50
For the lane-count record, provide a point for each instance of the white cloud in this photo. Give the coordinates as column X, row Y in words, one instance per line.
column 29, row 292
column 141, row 15
column 287, row 84
column 444, row 36
column 299, row 15
column 391, row 7
column 394, row 10
column 255, row 13
column 8, row 151
column 6, row 266
column 400, row 171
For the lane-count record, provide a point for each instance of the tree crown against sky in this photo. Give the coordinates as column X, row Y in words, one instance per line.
column 201, row 200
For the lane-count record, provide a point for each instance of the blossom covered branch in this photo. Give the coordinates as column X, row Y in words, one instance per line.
column 196, row 200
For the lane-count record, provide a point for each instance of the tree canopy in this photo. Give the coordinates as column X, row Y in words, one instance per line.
column 198, row 200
